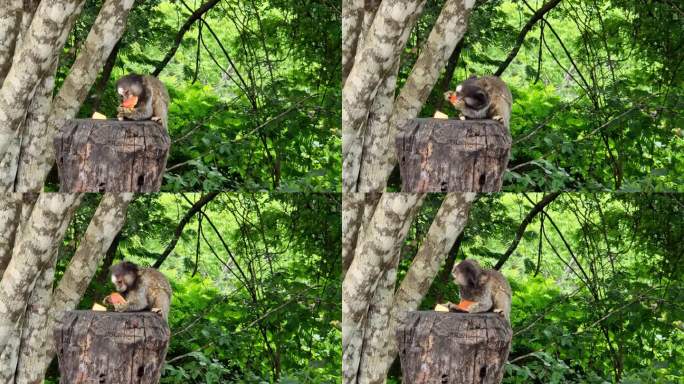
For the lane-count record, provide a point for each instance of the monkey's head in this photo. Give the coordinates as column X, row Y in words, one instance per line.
column 469, row 273
column 469, row 95
column 130, row 88
column 124, row 276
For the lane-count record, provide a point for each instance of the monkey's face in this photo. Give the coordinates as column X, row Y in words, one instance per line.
column 466, row 273
column 459, row 277
column 123, row 281
column 124, row 276
column 129, row 88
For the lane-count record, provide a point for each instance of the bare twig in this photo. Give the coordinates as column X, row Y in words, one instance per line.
column 538, row 15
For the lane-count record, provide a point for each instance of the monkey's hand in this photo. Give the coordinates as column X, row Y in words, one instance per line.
column 123, row 112
column 121, row 307
column 450, row 96
column 498, row 118
column 456, row 308
column 158, row 119
column 158, row 311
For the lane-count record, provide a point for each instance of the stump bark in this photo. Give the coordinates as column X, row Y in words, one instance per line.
column 454, row 348
column 450, row 155
column 111, row 155
column 111, row 347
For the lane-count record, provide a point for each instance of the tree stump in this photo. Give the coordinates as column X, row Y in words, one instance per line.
column 111, row 155
column 450, row 155
column 111, row 347
column 454, row 348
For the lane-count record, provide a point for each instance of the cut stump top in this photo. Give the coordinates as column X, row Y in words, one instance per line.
column 111, row 347
column 453, row 348
column 111, row 155
column 451, row 155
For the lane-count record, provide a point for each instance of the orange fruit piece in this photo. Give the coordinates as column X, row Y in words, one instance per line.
column 116, row 298
column 130, row 102
column 465, row 304
column 453, row 98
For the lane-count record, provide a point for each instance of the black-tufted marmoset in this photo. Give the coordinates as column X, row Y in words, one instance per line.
column 143, row 97
column 486, row 97
column 144, row 289
column 487, row 289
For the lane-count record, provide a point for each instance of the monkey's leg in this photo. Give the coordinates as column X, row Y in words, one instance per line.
column 500, row 110
column 160, row 302
column 502, row 304
column 131, row 306
column 160, row 112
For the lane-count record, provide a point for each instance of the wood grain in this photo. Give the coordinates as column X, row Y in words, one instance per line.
column 440, row 155
column 453, row 348
column 111, row 347
column 111, row 155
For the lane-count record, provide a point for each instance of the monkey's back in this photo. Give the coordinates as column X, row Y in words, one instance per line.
column 496, row 87
column 502, row 283
column 154, row 280
column 156, row 86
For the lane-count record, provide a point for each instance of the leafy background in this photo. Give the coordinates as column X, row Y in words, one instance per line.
column 597, row 90
column 597, row 286
column 255, row 90
column 256, row 300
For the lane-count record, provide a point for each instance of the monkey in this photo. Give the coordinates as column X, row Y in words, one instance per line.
column 487, row 97
column 487, row 288
column 143, row 289
column 142, row 98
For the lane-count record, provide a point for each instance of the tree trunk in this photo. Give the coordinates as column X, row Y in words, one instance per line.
column 111, row 347
column 440, row 155
column 455, row 348
column 111, row 156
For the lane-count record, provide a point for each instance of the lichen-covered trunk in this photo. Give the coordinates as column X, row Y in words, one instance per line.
column 372, row 308
column 10, row 19
column 371, row 114
column 44, row 39
column 373, row 62
column 37, row 156
column 377, row 249
column 30, row 304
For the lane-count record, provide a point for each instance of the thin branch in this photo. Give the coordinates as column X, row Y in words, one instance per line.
column 196, row 207
column 449, row 73
column 539, row 207
column 194, row 16
column 539, row 247
column 538, row 15
column 539, row 56
column 225, row 53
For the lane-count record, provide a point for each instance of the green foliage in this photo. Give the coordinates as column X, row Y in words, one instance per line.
column 255, row 91
column 603, row 308
column 263, row 307
column 597, row 107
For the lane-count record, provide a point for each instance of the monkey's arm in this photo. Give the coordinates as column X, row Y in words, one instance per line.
column 140, row 112
column 483, row 303
column 136, row 301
